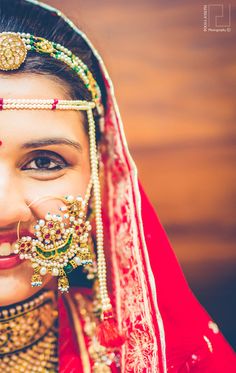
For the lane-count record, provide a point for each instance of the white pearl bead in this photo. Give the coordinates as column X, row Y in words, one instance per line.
column 77, row 260
column 41, row 222
column 55, row 271
column 43, row 271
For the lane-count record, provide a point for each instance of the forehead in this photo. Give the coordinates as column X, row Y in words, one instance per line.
column 19, row 85
column 16, row 124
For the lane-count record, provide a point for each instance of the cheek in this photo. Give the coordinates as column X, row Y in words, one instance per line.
column 73, row 182
column 44, row 196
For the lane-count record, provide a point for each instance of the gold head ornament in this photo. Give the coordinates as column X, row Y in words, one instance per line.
column 12, row 51
column 14, row 48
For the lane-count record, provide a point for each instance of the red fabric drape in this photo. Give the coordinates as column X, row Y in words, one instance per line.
column 69, row 356
column 191, row 346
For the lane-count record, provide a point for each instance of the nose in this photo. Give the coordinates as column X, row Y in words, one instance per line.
column 13, row 207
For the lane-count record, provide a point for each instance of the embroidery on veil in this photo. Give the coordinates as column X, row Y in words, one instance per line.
column 131, row 289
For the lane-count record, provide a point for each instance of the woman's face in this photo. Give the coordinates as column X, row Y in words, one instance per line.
column 42, row 153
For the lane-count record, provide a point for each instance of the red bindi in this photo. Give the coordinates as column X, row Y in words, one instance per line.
column 0, row 142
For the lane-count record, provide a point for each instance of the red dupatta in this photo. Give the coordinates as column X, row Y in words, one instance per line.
column 167, row 330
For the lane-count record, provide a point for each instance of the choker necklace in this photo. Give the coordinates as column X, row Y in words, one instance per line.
column 28, row 335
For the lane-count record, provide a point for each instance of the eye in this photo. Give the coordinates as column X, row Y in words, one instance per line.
column 45, row 161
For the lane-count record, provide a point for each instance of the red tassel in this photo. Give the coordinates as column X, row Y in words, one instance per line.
column 107, row 332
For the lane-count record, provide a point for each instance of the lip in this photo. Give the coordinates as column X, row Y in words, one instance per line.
column 12, row 237
column 13, row 260
column 10, row 261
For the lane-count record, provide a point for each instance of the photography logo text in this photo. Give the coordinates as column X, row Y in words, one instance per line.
column 217, row 18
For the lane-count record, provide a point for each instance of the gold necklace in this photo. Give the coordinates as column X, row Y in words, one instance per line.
column 28, row 335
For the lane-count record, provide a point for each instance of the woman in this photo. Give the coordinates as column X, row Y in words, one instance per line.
column 75, row 222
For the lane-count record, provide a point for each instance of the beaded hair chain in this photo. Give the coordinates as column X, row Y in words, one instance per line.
column 14, row 48
column 42, row 104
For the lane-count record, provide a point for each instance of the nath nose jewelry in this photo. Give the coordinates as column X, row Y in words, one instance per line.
column 60, row 242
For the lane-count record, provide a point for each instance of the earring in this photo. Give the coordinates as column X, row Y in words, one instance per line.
column 60, row 243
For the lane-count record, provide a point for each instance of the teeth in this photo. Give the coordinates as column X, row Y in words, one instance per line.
column 7, row 249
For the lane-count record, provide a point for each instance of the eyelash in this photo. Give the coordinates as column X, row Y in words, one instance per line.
column 59, row 162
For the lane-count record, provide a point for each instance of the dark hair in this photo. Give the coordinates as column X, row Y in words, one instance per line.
column 22, row 16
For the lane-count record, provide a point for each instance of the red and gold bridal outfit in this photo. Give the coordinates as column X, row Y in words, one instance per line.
column 166, row 328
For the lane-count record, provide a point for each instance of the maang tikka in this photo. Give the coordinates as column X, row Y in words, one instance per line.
column 60, row 242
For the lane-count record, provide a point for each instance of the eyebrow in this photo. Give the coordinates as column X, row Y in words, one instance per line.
column 51, row 141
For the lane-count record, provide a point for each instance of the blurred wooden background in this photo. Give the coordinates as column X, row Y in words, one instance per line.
column 175, row 86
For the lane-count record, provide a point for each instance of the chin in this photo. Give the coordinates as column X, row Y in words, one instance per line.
column 15, row 284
